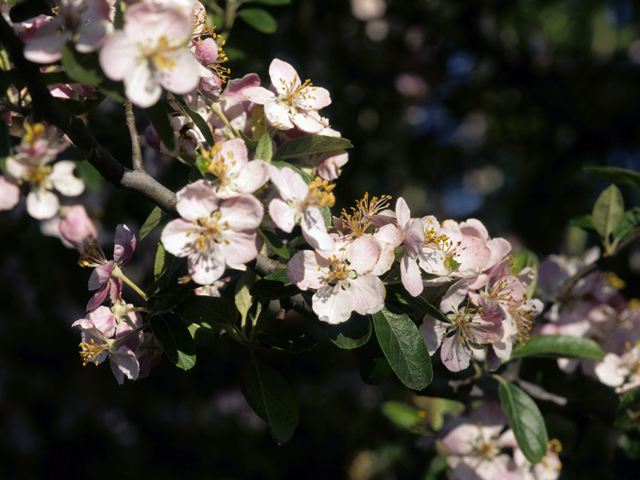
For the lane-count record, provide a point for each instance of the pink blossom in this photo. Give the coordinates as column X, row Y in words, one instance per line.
column 622, row 372
column 213, row 234
column 151, row 53
column 343, row 281
column 9, row 193
column 76, row 227
column 235, row 107
column 296, row 103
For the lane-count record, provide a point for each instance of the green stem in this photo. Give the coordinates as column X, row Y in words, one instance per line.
column 215, row 106
column 117, row 273
column 126, row 337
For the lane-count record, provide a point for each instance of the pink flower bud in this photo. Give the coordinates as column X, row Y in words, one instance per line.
column 76, row 227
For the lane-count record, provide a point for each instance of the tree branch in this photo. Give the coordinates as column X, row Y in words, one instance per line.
column 51, row 110
column 136, row 153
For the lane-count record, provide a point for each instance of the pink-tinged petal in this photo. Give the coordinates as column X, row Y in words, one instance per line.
column 312, row 98
column 244, row 212
column 363, row 254
column 76, row 227
column 42, row 204
column 411, row 277
column 143, row 22
column 83, row 324
column 47, row 45
column 100, row 296
column 278, row 115
column 332, row 304
column 205, row 268
column 184, row 76
column 391, row 233
column 306, row 123
column 314, row 230
column 9, row 193
column 207, row 50
column 118, row 56
column 178, row 237
column 124, row 361
column 366, row 294
column 259, row 95
column 474, row 228
column 413, row 236
column 403, row 214
column 196, row 200
column 307, row 269
column 282, row 215
column 252, row 176
column 433, row 331
column 104, row 320
column 92, row 35
column 290, row 184
column 234, row 93
column 329, row 167
column 500, row 248
column 284, row 77
column 239, row 247
column 124, row 245
column 16, row 168
column 100, row 275
column 141, row 85
column 454, row 296
column 455, row 354
column 609, row 372
column 64, row 180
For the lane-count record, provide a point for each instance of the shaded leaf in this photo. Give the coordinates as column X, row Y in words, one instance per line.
column 271, row 397
column 159, row 266
column 175, row 339
column 275, row 243
column 279, row 276
column 562, row 346
column 152, row 221
column 607, row 211
column 585, row 222
column 81, row 67
column 404, row 347
column 628, row 223
column 159, row 118
column 420, row 303
column 211, row 310
column 402, row 414
column 628, row 413
column 311, row 144
column 372, row 364
column 243, row 298
column 287, row 339
column 92, row 178
column 524, row 258
column 259, row 19
column 351, row 334
column 526, row 421
column 273, row 289
column 617, row 175
column 200, row 122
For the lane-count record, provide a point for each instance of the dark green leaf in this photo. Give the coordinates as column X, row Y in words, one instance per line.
column 526, row 421
column 251, row 144
column 118, row 22
column 629, row 445
column 279, row 276
column 211, row 309
column 618, row 175
column 585, row 222
column 562, row 346
column 417, row 302
column 259, row 19
column 608, row 211
column 159, row 266
column 152, row 221
column 166, row 297
column 402, row 414
column 311, row 144
column 160, row 121
column 404, row 347
column 326, row 216
column 275, row 243
column 81, row 67
column 200, row 122
column 175, row 339
column 628, row 414
column 264, row 150
column 273, row 289
column 271, row 397
column 628, row 223
column 56, row 78
column 113, row 90
column 373, row 365
column 92, row 178
column 351, row 334
column 287, row 339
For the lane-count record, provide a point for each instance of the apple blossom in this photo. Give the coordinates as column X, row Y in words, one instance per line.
column 213, row 234
column 76, row 227
column 296, row 103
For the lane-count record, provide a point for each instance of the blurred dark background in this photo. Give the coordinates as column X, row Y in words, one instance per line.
column 485, row 109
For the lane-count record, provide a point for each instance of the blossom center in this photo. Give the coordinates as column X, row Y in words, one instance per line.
column 295, row 89
column 160, row 54
column 209, row 230
column 362, row 217
column 91, row 352
column 93, row 255
column 37, row 175
column 339, row 272
column 320, row 194
column 219, row 165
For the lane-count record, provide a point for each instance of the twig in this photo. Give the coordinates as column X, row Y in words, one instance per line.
column 52, row 111
column 136, row 153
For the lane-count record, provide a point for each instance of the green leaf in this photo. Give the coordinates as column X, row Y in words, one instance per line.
column 158, row 266
column 81, row 67
column 258, row 123
column 279, row 276
column 211, row 309
column 251, row 144
column 628, row 223
column 243, row 298
column 404, row 347
column 175, row 339
column 419, row 303
column 152, row 221
column 259, row 19
column 402, row 414
column 372, row 364
column 524, row 258
column 160, row 120
column 617, row 175
column 585, row 222
column 200, row 122
column 275, row 243
column 310, row 145
column 287, row 339
column 608, row 211
column 271, row 397
column 562, row 346
column 351, row 334
column 526, row 421
column 264, row 150
column 92, row 178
